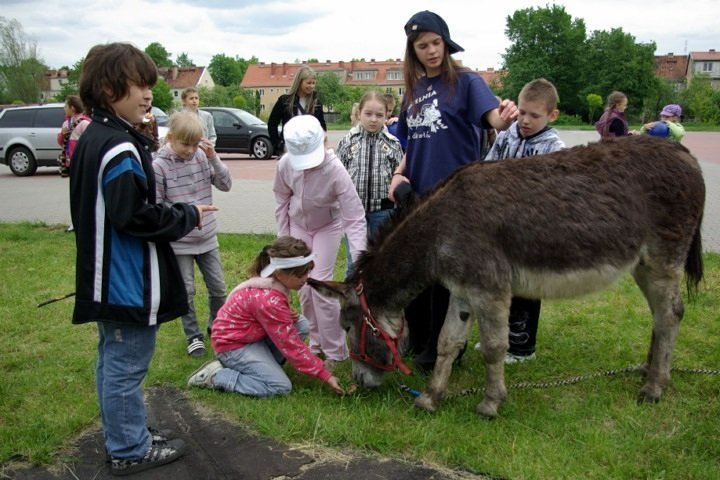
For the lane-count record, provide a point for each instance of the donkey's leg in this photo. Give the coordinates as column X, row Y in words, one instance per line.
column 492, row 316
column 452, row 338
column 661, row 289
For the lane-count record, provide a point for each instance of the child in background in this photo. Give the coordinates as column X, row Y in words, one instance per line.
column 355, row 114
column 149, row 128
column 127, row 279
column 529, row 135
column 256, row 330
column 669, row 116
column 317, row 203
column 612, row 122
column 186, row 169
column 392, row 120
column 371, row 155
column 191, row 103
column 72, row 128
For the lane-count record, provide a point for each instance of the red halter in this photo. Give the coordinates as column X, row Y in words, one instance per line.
column 392, row 343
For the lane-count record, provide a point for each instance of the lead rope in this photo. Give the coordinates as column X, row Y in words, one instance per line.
column 564, row 381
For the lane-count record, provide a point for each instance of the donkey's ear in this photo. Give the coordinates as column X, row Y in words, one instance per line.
column 339, row 290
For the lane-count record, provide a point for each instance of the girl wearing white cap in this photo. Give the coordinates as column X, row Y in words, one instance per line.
column 446, row 110
column 256, row 330
column 317, row 202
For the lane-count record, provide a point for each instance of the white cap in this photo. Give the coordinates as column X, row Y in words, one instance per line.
column 305, row 142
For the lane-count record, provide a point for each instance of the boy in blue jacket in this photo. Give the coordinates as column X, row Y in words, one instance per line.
column 127, row 279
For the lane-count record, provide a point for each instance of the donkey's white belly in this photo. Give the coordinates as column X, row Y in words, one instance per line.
column 570, row 283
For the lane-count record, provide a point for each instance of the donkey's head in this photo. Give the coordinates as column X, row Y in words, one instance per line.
column 376, row 338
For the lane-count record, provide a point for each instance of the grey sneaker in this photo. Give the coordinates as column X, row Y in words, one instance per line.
column 203, row 376
column 511, row 358
column 159, row 454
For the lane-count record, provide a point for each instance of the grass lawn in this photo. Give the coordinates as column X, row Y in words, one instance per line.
column 590, row 429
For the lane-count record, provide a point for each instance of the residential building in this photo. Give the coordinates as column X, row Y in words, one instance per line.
column 53, row 83
column 180, row 78
column 707, row 63
column 270, row 81
column 177, row 78
column 672, row 68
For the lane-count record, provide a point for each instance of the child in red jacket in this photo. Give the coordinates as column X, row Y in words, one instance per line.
column 256, row 330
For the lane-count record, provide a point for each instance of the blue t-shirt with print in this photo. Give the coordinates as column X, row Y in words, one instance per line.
column 441, row 128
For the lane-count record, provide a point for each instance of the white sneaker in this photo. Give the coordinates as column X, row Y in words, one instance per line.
column 511, row 358
column 203, row 376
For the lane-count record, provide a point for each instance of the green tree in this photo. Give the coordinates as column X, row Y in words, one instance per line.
column 331, row 90
column 225, row 70
column 232, row 96
column 700, row 101
column 159, row 54
column 546, row 42
column 616, row 61
column 594, row 103
column 22, row 73
column 162, row 97
column 183, row 60
column 661, row 92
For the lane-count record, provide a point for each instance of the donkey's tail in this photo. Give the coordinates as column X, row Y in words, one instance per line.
column 694, row 269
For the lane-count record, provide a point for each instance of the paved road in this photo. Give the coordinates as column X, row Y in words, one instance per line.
column 249, row 206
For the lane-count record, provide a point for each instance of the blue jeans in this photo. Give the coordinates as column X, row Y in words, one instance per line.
column 124, row 354
column 256, row 369
column 212, row 272
column 374, row 220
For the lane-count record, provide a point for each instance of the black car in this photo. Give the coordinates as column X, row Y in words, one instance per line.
column 240, row 132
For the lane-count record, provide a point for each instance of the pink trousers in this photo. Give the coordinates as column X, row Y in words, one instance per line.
column 323, row 313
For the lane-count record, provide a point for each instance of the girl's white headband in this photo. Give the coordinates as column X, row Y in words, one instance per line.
column 281, row 263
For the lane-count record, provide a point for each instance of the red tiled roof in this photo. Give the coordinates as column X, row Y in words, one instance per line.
column 283, row 74
column 711, row 55
column 181, row 77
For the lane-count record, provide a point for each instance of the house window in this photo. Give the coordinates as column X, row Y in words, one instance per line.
column 394, row 75
column 707, row 67
column 364, row 75
column 175, row 93
column 261, row 91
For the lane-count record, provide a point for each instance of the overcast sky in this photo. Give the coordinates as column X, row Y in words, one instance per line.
column 290, row 30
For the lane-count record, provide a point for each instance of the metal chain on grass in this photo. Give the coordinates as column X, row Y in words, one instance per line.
column 566, row 381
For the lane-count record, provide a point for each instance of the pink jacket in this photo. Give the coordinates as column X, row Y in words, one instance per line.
column 317, row 197
column 257, row 309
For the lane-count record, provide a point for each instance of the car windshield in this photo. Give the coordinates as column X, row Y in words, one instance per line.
column 247, row 117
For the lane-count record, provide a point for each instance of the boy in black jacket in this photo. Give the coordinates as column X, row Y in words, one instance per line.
column 127, row 279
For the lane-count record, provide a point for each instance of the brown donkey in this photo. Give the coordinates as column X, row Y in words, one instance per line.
column 550, row 226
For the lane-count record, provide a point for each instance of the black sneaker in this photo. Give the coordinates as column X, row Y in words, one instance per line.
column 196, row 347
column 158, row 437
column 156, row 456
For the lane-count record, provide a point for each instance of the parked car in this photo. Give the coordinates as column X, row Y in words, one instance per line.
column 160, row 116
column 28, row 137
column 240, row 132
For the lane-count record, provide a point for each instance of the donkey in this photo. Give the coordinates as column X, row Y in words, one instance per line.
column 551, row 226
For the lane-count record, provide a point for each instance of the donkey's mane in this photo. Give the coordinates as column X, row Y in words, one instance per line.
column 399, row 215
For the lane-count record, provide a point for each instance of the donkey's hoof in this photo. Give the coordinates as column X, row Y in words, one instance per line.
column 425, row 402
column 486, row 409
column 648, row 396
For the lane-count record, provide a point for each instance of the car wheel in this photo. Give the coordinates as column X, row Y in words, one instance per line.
column 22, row 162
column 261, row 148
